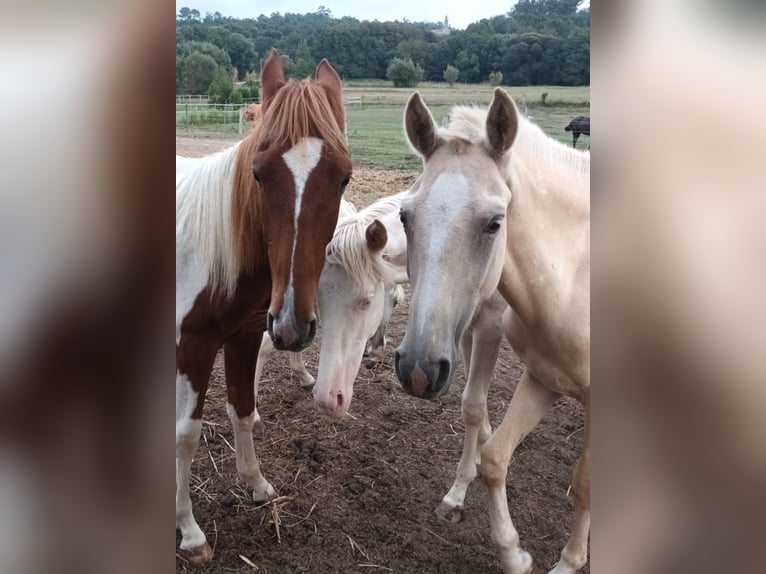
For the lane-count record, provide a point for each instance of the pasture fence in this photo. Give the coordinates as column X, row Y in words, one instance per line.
column 192, row 112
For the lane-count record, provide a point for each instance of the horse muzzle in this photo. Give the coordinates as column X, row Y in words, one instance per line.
column 422, row 377
column 288, row 335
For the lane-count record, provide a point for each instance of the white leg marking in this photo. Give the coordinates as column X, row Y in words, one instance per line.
column 298, row 366
column 264, row 355
column 301, row 159
column 187, row 440
column 248, row 468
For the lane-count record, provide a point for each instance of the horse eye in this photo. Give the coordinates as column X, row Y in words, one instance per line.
column 403, row 218
column 255, row 175
column 363, row 304
column 345, row 181
column 493, row 227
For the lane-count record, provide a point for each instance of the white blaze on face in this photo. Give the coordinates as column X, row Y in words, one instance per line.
column 447, row 200
column 301, row 159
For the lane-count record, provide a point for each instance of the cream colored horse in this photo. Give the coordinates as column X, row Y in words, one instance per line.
column 502, row 206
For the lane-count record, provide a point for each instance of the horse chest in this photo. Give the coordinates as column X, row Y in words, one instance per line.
column 222, row 318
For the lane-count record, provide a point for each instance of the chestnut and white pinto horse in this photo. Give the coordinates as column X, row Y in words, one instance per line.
column 252, row 223
column 502, row 206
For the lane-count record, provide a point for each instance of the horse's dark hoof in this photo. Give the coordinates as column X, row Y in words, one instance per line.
column 451, row 514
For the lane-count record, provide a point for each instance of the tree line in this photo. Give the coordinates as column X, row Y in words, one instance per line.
column 539, row 42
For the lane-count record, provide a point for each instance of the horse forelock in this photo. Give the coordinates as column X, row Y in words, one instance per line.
column 301, row 109
column 348, row 248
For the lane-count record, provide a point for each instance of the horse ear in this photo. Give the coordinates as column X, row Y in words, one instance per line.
column 329, row 79
column 502, row 122
column 272, row 77
column 420, row 126
column 376, row 235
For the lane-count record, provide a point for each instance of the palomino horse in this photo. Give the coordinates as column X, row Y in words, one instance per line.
column 502, row 206
column 352, row 299
column 252, row 223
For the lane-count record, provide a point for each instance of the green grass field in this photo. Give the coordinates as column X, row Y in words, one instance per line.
column 375, row 131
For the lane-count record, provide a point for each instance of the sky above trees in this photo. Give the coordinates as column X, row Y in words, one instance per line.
column 461, row 13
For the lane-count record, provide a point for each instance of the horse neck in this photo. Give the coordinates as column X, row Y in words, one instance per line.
column 548, row 230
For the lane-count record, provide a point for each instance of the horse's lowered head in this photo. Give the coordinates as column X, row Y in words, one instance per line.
column 301, row 165
column 455, row 220
column 351, row 300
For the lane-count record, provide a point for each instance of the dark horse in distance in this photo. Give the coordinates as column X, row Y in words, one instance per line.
column 579, row 125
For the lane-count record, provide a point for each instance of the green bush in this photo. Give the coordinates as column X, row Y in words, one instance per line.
column 220, row 90
column 404, row 73
column 495, row 78
column 451, row 74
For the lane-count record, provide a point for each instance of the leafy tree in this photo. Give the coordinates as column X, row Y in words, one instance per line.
column 495, row 78
column 451, row 74
column 195, row 73
column 220, row 55
column 241, row 52
column 536, row 42
column 404, row 73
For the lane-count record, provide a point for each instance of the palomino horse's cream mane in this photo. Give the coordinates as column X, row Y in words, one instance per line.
column 217, row 199
column 538, row 150
column 348, row 247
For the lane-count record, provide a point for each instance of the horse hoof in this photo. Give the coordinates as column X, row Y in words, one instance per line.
column 451, row 514
column 307, row 382
column 264, row 495
column 199, row 555
column 258, row 425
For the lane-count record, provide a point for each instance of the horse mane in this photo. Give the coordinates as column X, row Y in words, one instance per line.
column 348, row 246
column 299, row 109
column 203, row 215
column 532, row 143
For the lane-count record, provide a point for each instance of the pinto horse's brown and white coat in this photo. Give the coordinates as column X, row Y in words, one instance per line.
column 252, row 223
column 501, row 206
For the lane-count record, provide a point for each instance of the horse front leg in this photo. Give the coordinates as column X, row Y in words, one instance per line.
column 240, row 356
column 192, row 376
column 480, row 350
column 298, row 366
column 530, row 402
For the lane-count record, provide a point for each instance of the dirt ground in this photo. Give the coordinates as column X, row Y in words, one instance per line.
column 358, row 495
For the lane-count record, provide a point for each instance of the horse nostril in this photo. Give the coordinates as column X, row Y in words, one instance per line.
column 270, row 324
column 339, row 400
column 444, row 371
column 397, row 358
